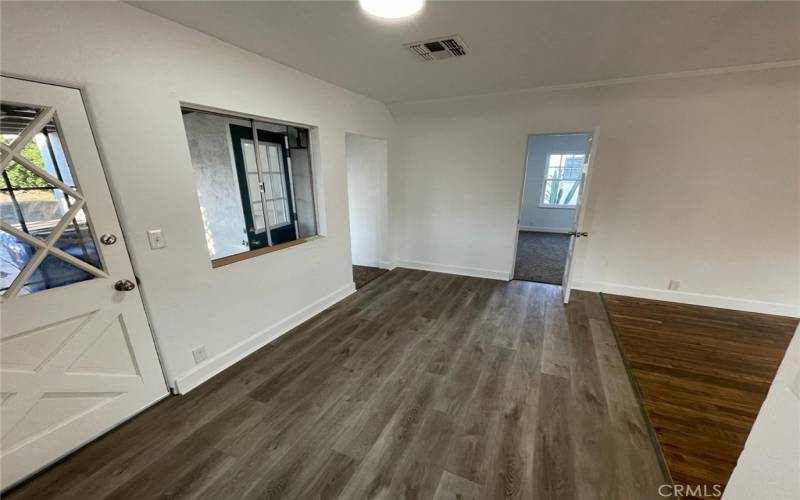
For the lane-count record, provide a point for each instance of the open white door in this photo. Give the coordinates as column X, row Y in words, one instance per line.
column 76, row 352
column 577, row 233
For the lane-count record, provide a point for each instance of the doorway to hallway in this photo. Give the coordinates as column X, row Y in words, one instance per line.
column 367, row 203
column 555, row 173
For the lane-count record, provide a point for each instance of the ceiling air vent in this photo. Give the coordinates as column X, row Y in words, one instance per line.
column 438, row 48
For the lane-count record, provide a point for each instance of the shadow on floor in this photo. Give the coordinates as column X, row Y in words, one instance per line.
column 363, row 275
column 541, row 257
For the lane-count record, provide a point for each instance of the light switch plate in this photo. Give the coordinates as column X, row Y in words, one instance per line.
column 156, row 238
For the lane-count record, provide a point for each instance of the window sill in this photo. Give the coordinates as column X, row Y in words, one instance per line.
column 559, row 207
column 231, row 259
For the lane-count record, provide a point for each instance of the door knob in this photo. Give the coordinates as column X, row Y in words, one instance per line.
column 108, row 239
column 124, row 285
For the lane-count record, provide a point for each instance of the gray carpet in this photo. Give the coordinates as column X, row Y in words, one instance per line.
column 541, row 257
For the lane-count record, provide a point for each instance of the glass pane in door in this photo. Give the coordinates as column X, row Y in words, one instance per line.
column 253, row 186
column 14, row 255
column 37, row 191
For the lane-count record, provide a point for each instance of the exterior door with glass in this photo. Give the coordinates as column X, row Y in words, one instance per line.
column 76, row 353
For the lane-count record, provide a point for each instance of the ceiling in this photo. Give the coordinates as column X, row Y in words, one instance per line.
column 514, row 45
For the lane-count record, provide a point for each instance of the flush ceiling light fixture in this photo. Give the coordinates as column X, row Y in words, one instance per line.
column 391, row 9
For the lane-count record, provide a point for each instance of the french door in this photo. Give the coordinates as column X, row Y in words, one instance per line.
column 76, row 352
column 265, row 186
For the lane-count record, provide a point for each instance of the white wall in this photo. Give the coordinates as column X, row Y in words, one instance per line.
column 134, row 69
column 695, row 179
column 769, row 466
column 217, row 184
column 532, row 216
column 366, row 188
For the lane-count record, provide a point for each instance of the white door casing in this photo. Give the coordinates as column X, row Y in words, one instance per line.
column 75, row 360
column 576, row 242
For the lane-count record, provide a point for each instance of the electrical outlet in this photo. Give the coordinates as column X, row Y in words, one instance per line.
column 199, row 354
column 156, row 238
column 674, row 284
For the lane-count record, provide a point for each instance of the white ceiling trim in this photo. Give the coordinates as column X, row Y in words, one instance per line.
column 616, row 81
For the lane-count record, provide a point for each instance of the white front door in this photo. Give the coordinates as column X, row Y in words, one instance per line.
column 577, row 225
column 76, row 352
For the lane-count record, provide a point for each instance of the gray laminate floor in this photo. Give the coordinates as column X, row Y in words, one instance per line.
column 421, row 385
column 365, row 274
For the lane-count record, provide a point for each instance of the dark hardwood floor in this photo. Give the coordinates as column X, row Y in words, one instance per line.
column 420, row 385
column 365, row 274
column 703, row 374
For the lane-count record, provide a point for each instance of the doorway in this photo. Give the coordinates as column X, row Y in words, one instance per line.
column 555, row 171
column 76, row 352
column 367, row 201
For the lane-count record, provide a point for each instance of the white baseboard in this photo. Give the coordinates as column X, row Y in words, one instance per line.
column 372, row 263
column 699, row 299
column 200, row 373
column 542, row 229
column 383, row 264
column 448, row 269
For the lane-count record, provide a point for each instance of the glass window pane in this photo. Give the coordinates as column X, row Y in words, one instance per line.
column 546, row 194
column 14, row 119
column 52, row 273
column 271, row 211
column 280, row 212
column 262, row 150
column 253, row 187
column 30, row 203
column 249, row 156
column 555, row 161
column 277, row 185
column 559, row 192
column 269, row 188
column 573, row 161
column 571, row 196
column 553, row 173
column 21, row 178
column 39, row 209
column 303, row 190
column 572, row 173
column 44, row 151
column 258, row 217
column 14, row 254
column 53, row 156
column 8, row 212
column 77, row 241
column 275, row 162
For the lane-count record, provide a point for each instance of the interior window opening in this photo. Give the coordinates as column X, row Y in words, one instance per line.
column 254, row 181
